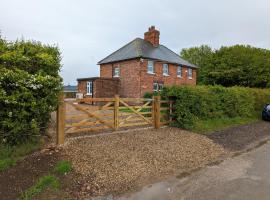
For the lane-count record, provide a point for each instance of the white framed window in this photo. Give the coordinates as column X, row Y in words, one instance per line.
column 189, row 73
column 89, row 88
column 160, row 87
column 150, row 67
column 155, row 87
column 116, row 72
column 179, row 71
column 166, row 69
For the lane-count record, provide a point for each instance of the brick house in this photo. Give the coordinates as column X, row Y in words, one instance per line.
column 141, row 66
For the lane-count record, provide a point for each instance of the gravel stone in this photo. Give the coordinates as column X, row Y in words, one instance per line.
column 118, row 163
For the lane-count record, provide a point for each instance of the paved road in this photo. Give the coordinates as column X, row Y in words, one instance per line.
column 245, row 177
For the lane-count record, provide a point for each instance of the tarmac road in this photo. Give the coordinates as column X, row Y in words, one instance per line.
column 245, row 177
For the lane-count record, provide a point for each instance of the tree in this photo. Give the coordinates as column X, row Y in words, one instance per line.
column 200, row 56
column 240, row 65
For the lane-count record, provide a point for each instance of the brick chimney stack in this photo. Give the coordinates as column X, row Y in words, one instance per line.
column 152, row 35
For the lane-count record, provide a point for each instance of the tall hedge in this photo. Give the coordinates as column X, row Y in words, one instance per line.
column 210, row 102
column 29, row 88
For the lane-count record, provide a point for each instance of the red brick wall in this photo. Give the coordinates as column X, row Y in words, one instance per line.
column 101, row 87
column 82, row 87
column 129, row 76
column 147, row 79
column 135, row 81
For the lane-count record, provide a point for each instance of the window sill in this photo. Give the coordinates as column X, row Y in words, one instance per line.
column 88, row 94
column 116, row 76
column 189, row 78
column 179, row 77
column 151, row 73
column 166, row 75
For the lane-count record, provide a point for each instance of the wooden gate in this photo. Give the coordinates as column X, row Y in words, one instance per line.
column 110, row 114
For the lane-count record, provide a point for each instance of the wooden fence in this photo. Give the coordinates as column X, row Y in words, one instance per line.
column 100, row 114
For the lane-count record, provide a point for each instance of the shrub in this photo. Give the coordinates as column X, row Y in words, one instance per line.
column 26, row 102
column 29, row 87
column 212, row 102
column 30, row 56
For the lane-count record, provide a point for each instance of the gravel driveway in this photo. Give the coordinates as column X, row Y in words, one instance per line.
column 122, row 162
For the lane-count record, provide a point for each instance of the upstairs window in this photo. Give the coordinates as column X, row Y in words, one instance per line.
column 165, row 69
column 189, row 73
column 150, row 67
column 179, row 71
column 116, row 72
column 89, row 88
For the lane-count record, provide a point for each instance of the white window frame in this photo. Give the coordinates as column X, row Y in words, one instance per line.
column 150, row 67
column 165, row 69
column 89, row 88
column 155, row 87
column 179, row 71
column 116, row 72
column 190, row 71
column 160, row 86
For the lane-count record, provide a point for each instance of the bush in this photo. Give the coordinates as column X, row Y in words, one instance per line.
column 30, row 56
column 212, row 102
column 26, row 102
column 29, row 87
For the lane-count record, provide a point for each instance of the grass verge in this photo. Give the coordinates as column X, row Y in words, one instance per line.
column 211, row 125
column 63, row 167
column 43, row 183
column 9, row 155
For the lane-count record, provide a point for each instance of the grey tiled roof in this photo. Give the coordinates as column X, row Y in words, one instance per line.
column 140, row 48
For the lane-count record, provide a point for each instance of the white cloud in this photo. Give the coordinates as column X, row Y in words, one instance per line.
column 87, row 31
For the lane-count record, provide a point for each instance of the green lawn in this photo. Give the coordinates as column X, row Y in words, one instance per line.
column 9, row 155
column 211, row 125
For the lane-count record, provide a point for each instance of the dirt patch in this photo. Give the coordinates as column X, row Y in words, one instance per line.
column 118, row 163
column 25, row 173
column 240, row 137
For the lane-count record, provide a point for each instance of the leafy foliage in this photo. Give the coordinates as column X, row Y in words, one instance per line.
column 200, row 56
column 237, row 65
column 29, row 87
column 30, row 56
column 213, row 102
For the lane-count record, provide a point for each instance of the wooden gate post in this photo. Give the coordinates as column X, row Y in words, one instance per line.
column 157, row 111
column 116, row 112
column 61, row 112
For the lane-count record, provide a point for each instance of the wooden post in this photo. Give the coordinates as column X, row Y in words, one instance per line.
column 116, row 112
column 153, row 111
column 61, row 112
column 171, row 111
column 157, row 111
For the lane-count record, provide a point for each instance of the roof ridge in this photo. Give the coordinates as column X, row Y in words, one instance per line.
column 118, row 50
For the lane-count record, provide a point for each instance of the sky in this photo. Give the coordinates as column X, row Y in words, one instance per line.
column 86, row 31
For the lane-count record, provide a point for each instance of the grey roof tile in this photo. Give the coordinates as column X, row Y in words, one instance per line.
column 140, row 48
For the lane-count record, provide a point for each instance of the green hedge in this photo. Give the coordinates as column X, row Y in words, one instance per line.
column 26, row 102
column 29, row 88
column 211, row 102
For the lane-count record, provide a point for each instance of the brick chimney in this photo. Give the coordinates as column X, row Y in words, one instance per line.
column 152, row 35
